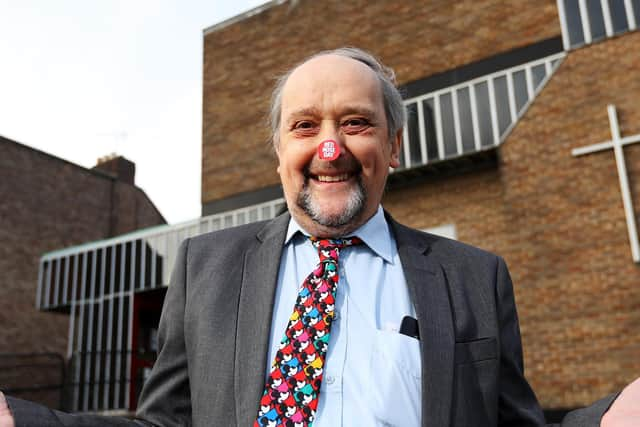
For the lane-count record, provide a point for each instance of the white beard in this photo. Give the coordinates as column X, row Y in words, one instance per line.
column 354, row 207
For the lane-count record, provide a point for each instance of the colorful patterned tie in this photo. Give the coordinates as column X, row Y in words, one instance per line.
column 291, row 395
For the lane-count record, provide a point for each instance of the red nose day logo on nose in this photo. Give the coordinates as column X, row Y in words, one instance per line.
column 328, row 150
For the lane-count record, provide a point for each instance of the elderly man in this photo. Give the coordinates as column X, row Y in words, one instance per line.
column 392, row 327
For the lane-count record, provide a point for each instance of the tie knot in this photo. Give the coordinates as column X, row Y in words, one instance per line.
column 330, row 248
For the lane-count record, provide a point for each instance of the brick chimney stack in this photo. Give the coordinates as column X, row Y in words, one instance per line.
column 117, row 166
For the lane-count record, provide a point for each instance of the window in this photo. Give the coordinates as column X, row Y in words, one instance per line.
column 473, row 115
column 587, row 21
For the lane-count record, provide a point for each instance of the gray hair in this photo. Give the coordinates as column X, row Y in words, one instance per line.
column 393, row 106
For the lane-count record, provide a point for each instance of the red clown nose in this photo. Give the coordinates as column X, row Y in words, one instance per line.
column 328, row 150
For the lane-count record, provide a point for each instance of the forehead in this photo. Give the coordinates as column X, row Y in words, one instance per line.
column 330, row 83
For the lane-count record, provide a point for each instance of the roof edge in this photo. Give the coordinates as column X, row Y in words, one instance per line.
column 90, row 170
column 43, row 153
column 242, row 16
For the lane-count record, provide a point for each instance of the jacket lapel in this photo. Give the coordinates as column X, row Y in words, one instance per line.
column 259, row 281
column 428, row 289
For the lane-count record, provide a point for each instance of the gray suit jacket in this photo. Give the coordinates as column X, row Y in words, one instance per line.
column 215, row 325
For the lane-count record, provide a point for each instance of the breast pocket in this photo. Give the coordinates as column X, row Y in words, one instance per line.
column 395, row 379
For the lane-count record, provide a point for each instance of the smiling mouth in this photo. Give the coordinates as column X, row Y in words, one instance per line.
column 332, row 178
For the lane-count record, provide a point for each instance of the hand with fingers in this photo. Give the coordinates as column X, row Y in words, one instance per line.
column 625, row 410
column 6, row 419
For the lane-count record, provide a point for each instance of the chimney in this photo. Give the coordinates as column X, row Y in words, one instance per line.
column 118, row 167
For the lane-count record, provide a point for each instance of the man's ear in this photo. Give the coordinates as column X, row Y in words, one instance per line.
column 396, row 146
column 276, row 150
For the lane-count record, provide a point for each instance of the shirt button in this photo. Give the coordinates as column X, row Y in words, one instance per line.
column 330, row 379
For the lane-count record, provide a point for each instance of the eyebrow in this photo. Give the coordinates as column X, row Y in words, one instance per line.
column 303, row 112
column 359, row 110
column 345, row 111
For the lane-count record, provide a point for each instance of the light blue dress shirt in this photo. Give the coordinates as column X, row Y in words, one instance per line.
column 372, row 373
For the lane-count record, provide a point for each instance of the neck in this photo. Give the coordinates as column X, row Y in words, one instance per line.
column 325, row 232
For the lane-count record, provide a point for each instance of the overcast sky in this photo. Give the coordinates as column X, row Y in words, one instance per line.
column 81, row 79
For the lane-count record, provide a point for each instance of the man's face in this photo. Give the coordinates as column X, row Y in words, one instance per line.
column 337, row 98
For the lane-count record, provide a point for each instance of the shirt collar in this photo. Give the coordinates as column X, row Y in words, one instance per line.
column 375, row 233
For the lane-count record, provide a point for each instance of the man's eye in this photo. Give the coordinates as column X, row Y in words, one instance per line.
column 355, row 125
column 304, row 125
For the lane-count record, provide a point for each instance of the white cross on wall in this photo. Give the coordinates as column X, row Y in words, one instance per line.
column 617, row 143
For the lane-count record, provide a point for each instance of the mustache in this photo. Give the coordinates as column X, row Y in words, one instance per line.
column 351, row 165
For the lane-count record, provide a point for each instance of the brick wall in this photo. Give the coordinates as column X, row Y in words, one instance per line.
column 47, row 204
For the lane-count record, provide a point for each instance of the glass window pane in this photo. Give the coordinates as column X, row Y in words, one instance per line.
column 98, row 272
column 280, row 208
column 57, row 281
column 117, row 271
column 228, row 221
column 430, row 129
column 266, row 212
column 502, row 103
column 484, row 113
column 157, row 263
column 215, row 224
column 139, row 266
column 574, row 24
column 466, row 123
column 448, row 129
column 253, row 215
column 65, row 280
column 241, row 218
column 129, row 266
column 520, row 89
column 415, row 158
column 88, row 274
column 618, row 16
column 538, row 72
column 108, row 277
column 145, row 263
column 49, row 283
column 596, row 19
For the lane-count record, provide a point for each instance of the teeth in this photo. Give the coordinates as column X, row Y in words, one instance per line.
column 335, row 178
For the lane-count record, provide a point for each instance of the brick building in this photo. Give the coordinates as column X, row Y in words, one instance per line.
column 49, row 203
column 501, row 96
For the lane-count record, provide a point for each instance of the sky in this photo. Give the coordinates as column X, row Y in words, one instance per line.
column 83, row 79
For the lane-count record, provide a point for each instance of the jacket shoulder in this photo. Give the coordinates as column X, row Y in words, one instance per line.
column 443, row 248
